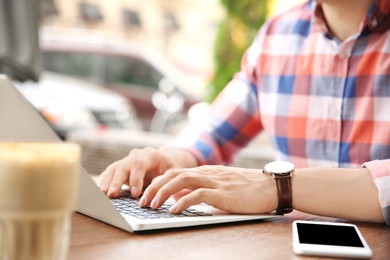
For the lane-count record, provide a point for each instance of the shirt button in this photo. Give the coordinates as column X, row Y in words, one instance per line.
column 374, row 22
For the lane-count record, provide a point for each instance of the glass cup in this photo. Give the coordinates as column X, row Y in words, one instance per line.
column 38, row 191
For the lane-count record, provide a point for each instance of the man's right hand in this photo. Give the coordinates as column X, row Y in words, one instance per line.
column 137, row 170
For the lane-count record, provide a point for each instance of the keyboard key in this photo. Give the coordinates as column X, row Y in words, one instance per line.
column 130, row 206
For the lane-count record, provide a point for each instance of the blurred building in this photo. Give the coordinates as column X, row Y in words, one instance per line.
column 184, row 30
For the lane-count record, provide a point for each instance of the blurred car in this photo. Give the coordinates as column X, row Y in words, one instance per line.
column 71, row 104
column 133, row 72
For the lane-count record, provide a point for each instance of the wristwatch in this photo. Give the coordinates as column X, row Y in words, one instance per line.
column 282, row 173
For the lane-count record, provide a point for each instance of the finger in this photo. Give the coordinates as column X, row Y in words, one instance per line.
column 120, row 177
column 146, row 164
column 184, row 180
column 105, row 178
column 196, row 197
column 180, row 194
column 156, row 184
column 136, row 179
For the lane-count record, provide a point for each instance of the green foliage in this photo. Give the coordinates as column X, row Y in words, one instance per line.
column 236, row 33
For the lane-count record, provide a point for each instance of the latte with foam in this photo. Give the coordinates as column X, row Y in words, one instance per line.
column 38, row 190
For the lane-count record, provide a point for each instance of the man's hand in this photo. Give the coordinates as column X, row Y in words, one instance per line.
column 235, row 190
column 137, row 170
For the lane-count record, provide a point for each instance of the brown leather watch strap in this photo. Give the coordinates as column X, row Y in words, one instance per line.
column 283, row 184
column 282, row 172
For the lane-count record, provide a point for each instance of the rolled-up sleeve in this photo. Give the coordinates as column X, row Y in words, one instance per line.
column 234, row 118
column 380, row 173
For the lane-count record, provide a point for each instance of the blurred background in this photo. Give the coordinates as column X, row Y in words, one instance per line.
column 129, row 73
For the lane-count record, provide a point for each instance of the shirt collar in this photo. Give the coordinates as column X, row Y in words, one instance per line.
column 318, row 19
column 376, row 20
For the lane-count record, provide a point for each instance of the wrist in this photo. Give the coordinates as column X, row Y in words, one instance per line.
column 282, row 173
column 264, row 189
column 180, row 157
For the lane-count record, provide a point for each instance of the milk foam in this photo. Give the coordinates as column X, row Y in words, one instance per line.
column 38, row 190
column 38, row 175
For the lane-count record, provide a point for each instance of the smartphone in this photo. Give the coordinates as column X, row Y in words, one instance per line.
column 329, row 239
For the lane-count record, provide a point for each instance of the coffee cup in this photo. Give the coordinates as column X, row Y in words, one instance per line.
column 38, row 192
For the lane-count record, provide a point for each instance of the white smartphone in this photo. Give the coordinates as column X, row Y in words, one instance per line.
column 329, row 239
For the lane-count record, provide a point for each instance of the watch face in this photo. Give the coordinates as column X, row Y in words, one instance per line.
column 279, row 167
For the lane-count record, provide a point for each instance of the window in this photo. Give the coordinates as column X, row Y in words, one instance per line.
column 131, row 18
column 88, row 66
column 170, row 21
column 118, row 70
column 132, row 71
column 90, row 12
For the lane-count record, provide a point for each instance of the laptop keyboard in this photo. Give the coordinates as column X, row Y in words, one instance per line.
column 130, row 206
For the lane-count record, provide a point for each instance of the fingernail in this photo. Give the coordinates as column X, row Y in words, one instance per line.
column 103, row 187
column 134, row 191
column 173, row 209
column 142, row 201
column 153, row 203
column 111, row 190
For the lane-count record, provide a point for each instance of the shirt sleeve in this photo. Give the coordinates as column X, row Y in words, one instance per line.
column 234, row 117
column 380, row 173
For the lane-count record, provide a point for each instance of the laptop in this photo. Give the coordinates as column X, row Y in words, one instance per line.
column 21, row 122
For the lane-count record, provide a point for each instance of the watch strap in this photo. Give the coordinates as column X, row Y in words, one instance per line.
column 283, row 184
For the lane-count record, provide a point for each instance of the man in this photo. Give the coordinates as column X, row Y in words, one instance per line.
column 317, row 80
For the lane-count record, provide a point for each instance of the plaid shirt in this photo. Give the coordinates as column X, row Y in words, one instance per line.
column 322, row 102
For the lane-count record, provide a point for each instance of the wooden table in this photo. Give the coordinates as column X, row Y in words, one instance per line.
column 264, row 239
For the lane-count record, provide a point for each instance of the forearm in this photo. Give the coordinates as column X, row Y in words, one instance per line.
column 180, row 157
column 334, row 192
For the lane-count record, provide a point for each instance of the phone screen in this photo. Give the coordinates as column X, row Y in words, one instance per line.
column 332, row 235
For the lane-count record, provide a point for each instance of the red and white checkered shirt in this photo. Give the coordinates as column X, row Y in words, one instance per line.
column 321, row 101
